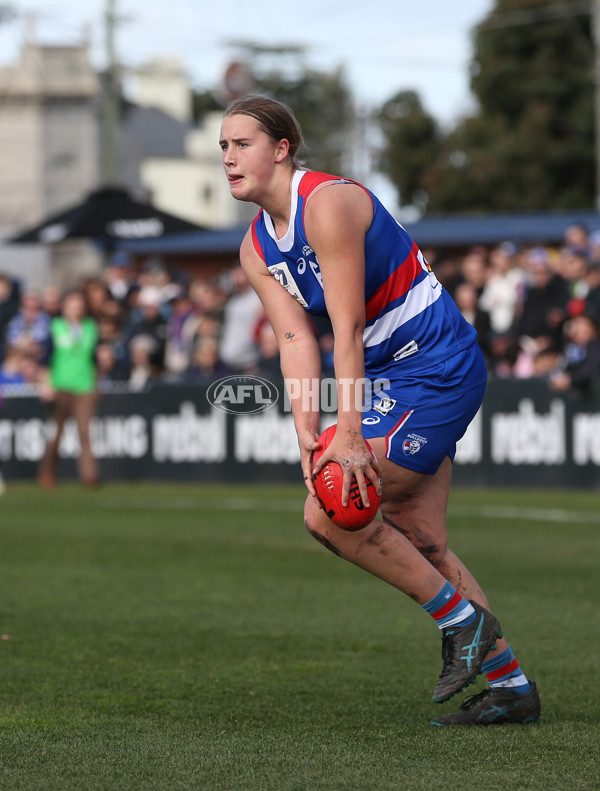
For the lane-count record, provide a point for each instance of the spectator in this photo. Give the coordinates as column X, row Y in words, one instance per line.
column 96, row 295
column 143, row 354
column 117, row 277
column 594, row 246
column 19, row 367
column 447, row 271
column 503, row 289
column 11, row 370
column 576, row 238
column 466, row 301
column 581, row 357
column 150, row 322
column 10, row 294
column 326, row 344
column 592, row 302
column 181, row 331
column 110, row 367
column 268, row 348
column 112, row 309
column 546, row 363
column 206, row 365
column 29, row 329
column 156, row 275
column 207, row 299
column 574, row 267
column 51, row 298
column 71, row 385
column 474, row 269
column 544, row 307
column 31, row 370
column 242, row 311
column 208, row 327
column 109, row 333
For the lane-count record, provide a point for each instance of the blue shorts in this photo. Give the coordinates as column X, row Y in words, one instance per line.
column 422, row 419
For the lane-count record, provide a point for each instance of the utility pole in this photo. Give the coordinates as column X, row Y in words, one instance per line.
column 7, row 13
column 111, row 98
column 595, row 6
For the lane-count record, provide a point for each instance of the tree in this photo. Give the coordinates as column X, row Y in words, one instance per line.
column 412, row 143
column 204, row 102
column 531, row 143
column 322, row 103
column 320, row 100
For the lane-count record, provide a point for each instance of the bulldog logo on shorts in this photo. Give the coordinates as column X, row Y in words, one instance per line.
column 413, row 444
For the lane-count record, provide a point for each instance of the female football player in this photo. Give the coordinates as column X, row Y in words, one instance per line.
column 325, row 245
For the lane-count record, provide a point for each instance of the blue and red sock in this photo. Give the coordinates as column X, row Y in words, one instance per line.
column 503, row 671
column 449, row 608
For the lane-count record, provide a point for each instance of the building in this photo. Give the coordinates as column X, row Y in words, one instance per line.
column 194, row 186
column 164, row 155
column 49, row 144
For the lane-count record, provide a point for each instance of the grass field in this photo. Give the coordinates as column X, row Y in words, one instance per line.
column 176, row 637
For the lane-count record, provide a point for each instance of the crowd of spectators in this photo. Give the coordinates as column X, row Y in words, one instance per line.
column 536, row 310
column 151, row 325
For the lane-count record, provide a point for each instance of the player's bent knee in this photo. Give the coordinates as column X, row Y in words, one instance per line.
column 322, row 538
column 316, row 522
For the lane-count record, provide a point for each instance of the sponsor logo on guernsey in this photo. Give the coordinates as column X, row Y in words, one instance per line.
column 412, row 347
column 281, row 273
column 413, row 444
column 371, row 421
column 306, row 250
column 384, row 405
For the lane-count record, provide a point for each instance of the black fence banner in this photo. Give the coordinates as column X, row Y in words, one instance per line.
column 524, row 435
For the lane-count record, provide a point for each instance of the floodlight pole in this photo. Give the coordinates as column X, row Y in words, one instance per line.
column 595, row 6
column 111, row 98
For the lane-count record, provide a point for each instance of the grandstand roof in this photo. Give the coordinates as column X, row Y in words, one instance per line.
column 444, row 230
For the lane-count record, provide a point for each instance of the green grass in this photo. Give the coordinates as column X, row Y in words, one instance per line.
column 176, row 637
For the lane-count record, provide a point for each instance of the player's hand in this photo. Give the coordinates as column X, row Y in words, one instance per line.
column 309, row 443
column 350, row 451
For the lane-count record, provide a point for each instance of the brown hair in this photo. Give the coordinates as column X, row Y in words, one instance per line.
column 274, row 118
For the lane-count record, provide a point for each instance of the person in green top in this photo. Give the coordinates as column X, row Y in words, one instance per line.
column 71, row 385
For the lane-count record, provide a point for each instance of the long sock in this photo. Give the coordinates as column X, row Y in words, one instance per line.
column 449, row 608
column 503, row 671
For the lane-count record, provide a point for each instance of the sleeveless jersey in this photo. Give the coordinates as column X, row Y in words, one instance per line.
column 412, row 323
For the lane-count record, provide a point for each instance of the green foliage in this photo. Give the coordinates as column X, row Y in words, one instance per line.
column 204, row 102
column 321, row 101
column 412, row 143
column 197, row 638
column 531, row 143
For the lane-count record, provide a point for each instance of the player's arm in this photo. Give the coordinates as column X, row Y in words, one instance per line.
column 300, row 358
column 337, row 218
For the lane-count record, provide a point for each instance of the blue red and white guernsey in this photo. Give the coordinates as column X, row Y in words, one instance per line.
column 410, row 318
column 415, row 337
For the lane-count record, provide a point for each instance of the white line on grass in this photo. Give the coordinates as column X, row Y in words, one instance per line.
column 188, row 504
column 252, row 504
column 534, row 514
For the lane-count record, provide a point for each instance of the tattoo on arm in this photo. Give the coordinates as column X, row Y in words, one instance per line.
column 289, row 335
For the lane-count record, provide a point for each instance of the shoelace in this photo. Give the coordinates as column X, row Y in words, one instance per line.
column 447, row 651
column 470, row 701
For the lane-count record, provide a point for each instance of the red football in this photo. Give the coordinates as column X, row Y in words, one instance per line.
column 328, row 483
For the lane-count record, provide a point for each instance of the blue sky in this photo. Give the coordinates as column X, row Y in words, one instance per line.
column 384, row 45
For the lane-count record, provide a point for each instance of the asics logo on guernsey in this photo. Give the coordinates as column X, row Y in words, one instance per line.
column 473, row 648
